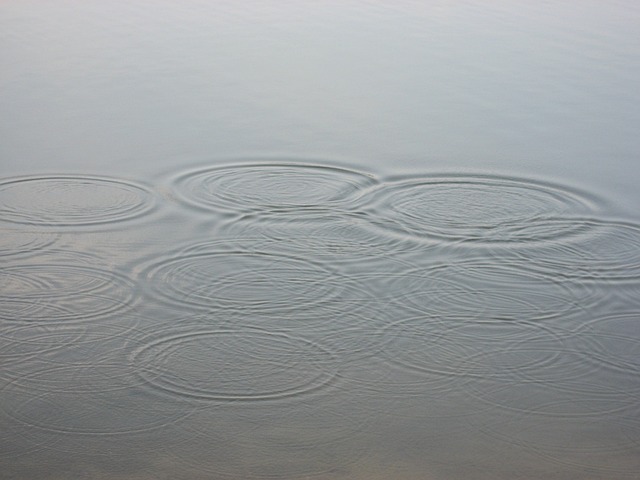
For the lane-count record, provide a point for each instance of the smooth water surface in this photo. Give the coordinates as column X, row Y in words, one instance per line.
column 335, row 240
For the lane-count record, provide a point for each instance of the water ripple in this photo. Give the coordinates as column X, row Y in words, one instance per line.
column 481, row 208
column 124, row 411
column 21, row 343
column 238, row 276
column 567, row 398
column 490, row 291
column 72, row 200
column 347, row 325
column 452, row 347
column 328, row 237
column 270, row 186
column 605, row 251
column 228, row 365
column 22, row 243
column 615, row 348
column 68, row 358
column 56, row 293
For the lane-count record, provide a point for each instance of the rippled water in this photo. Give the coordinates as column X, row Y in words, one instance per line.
column 334, row 241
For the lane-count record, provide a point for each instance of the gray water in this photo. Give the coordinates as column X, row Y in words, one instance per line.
column 320, row 240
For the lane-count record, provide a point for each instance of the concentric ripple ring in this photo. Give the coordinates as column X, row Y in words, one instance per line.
column 238, row 365
column 482, row 208
column 71, row 200
column 607, row 251
column 55, row 293
column 269, row 186
column 22, row 243
column 250, row 281
column 492, row 292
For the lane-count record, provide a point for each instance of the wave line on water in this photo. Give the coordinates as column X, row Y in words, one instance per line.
column 72, row 200
column 270, row 186
column 233, row 365
column 475, row 208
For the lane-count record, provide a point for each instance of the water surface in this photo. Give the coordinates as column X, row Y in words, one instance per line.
column 354, row 240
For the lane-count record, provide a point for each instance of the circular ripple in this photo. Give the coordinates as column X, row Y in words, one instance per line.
column 325, row 237
column 605, row 251
column 15, row 441
column 245, row 279
column 22, row 243
column 268, row 186
column 236, row 365
column 391, row 390
column 68, row 357
column 616, row 352
column 53, row 293
column 347, row 326
column 576, row 381
column 484, row 209
column 458, row 348
column 92, row 376
column 554, row 398
column 488, row 291
column 71, row 200
column 87, row 413
column 21, row 343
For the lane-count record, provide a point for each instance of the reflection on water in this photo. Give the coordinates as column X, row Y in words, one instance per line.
column 326, row 309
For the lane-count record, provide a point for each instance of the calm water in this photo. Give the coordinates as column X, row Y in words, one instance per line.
column 335, row 240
